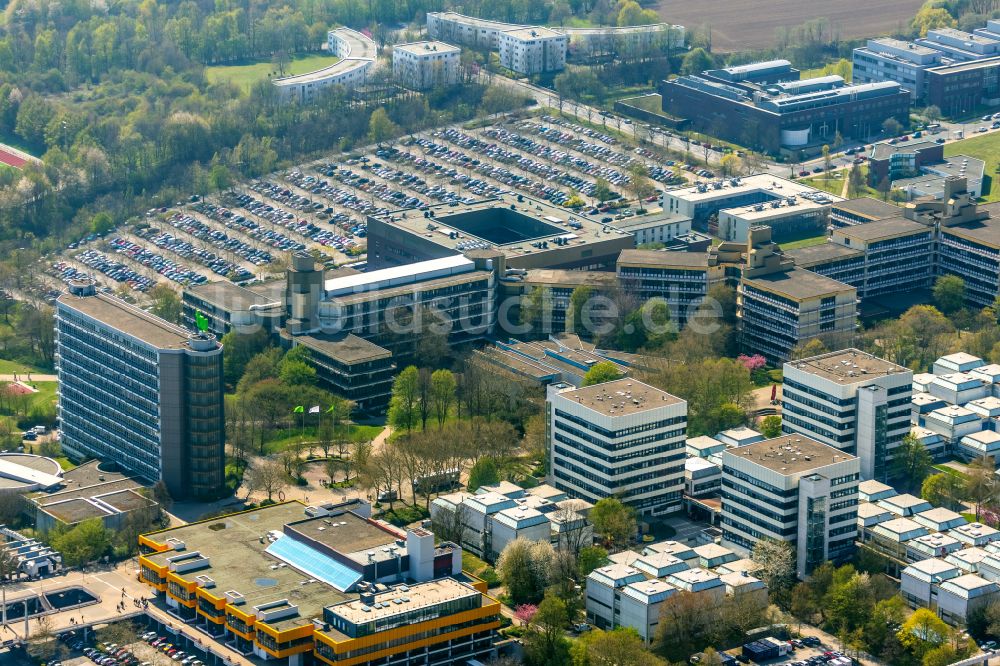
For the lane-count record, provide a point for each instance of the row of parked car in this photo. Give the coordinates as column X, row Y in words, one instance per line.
column 314, row 184
column 255, row 230
column 597, row 150
column 163, row 644
column 547, row 188
column 187, row 250
column 551, row 156
column 118, row 271
column 314, row 232
column 244, row 225
column 166, row 267
column 580, row 129
column 219, row 239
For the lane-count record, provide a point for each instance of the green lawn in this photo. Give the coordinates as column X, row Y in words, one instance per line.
column 987, row 148
column 834, row 183
column 283, row 440
column 949, row 470
column 13, row 367
column 803, row 242
column 245, row 76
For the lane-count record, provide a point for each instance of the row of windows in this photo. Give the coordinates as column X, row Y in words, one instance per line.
column 676, row 435
column 617, row 480
column 615, row 434
column 650, row 458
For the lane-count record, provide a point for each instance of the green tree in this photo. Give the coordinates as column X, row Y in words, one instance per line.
column 602, row 372
column 696, row 61
column 910, row 462
column 632, row 14
column 590, row 558
column 602, row 190
column 981, row 485
column 949, row 293
column 770, row 426
column 405, row 402
column 237, row 350
column 930, row 17
column 380, row 128
column 483, row 473
column 101, row 223
column 578, row 300
column 827, row 162
column 943, row 489
column 923, row 632
column 622, row 645
column 442, row 395
column 545, row 642
column 166, row 303
column 82, row 544
column 613, row 520
column 892, row 127
column 524, row 568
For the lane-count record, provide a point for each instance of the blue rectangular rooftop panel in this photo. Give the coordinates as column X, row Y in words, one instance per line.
column 315, row 563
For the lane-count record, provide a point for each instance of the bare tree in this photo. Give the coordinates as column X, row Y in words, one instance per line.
column 268, row 476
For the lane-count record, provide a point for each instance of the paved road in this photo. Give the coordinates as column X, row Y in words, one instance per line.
column 28, row 377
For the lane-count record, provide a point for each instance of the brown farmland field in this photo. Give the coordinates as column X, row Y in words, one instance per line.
column 750, row 24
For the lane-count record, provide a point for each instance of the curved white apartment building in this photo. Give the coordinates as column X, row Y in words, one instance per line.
column 357, row 54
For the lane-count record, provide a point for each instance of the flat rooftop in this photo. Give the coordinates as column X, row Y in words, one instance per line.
column 886, row 228
column 984, row 232
column 405, row 599
column 798, row 284
column 130, row 320
column 725, row 189
column 847, row 366
column 868, row 207
column 884, row 150
column 227, row 294
column 507, row 223
column 534, row 32
column 426, row 47
column 664, row 259
column 560, row 277
column 807, row 257
column 621, row 397
column 238, row 561
column 349, row 348
column 789, row 454
column 73, row 511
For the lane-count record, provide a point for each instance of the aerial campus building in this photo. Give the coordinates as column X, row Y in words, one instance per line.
column 794, row 489
column 769, row 104
column 423, row 65
column 919, row 168
column 528, row 49
column 852, row 401
column 620, row 439
column 140, row 392
column 954, row 70
column 322, row 584
column 357, row 53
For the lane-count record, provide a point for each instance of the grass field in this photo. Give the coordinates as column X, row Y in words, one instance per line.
column 803, row 242
column 356, row 433
column 738, row 25
column 12, row 367
column 245, row 76
column 987, row 148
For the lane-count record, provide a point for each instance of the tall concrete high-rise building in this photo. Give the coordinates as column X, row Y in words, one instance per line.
column 850, row 400
column 140, row 392
column 620, row 439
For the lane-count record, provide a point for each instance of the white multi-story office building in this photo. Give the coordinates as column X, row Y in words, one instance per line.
column 618, row 439
column 533, row 50
column 795, row 489
column 887, row 59
column 850, row 400
column 423, row 65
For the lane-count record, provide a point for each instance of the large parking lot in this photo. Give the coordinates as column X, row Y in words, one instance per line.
column 323, row 206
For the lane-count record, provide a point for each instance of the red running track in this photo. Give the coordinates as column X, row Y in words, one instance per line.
column 10, row 159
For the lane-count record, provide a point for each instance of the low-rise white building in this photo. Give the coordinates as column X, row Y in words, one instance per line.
column 957, row 362
column 958, row 388
column 931, row 545
column 703, row 446
column 739, row 436
column 357, row 53
column 533, row 50
column 701, row 477
column 425, row 65
column 919, row 581
column 873, row 491
column 953, row 423
column 641, row 605
column 978, row 444
column 975, row 534
column 905, row 505
column 935, row 444
column 940, row 519
column 968, row 559
column 959, row 596
column 603, row 593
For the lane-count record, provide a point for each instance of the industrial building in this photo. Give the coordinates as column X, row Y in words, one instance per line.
column 795, row 489
column 322, row 583
column 140, row 392
column 424, row 65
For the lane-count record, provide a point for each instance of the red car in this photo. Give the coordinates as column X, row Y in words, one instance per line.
column 803, row 173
